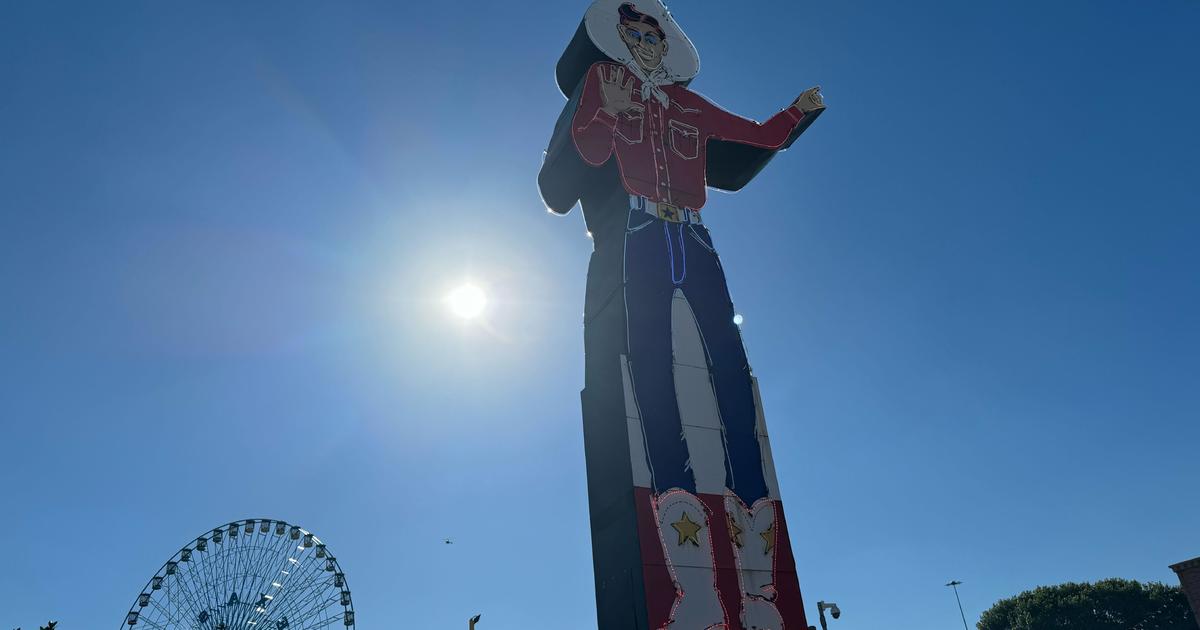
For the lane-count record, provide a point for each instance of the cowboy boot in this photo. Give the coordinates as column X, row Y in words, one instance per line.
column 683, row 529
column 753, row 533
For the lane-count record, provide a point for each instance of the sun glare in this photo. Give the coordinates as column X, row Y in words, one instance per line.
column 467, row 301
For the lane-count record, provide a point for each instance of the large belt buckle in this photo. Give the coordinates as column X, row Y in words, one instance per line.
column 668, row 212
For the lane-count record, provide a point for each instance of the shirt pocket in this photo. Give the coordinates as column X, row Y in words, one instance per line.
column 685, row 139
column 630, row 123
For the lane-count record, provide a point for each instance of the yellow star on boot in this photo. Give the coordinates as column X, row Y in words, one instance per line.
column 769, row 538
column 735, row 532
column 687, row 530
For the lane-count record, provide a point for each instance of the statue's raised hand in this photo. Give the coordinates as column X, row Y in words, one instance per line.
column 616, row 90
column 810, row 100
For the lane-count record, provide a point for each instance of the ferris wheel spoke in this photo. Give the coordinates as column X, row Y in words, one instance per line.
column 246, row 565
column 231, row 569
column 296, row 573
column 276, row 576
column 153, row 624
column 216, row 581
column 212, row 572
column 192, row 599
column 327, row 622
column 197, row 584
column 272, row 550
column 302, row 582
column 231, row 560
column 325, row 605
column 246, row 550
column 211, row 576
column 255, row 581
column 303, row 608
column 158, row 622
column 243, row 567
column 314, row 607
column 156, row 605
column 316, row 589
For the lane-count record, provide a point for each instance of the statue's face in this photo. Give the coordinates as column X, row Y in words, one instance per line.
column 644, row 42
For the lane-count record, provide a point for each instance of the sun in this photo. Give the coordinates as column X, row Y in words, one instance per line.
column 467, row 301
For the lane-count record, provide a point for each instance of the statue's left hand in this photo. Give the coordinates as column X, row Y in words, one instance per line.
column 810, row 100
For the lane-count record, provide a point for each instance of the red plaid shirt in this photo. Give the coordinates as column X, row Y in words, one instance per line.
column 661, row 150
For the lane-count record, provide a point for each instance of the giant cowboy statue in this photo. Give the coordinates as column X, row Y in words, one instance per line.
column 687, row 529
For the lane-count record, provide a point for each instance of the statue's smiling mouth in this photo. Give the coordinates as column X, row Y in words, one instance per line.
column 646, row 56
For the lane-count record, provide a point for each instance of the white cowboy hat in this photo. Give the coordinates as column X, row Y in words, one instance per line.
column 597, row 39
column 680, row 64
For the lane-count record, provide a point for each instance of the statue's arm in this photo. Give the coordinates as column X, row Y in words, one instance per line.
column 778, row 132
column 731, row 163
column 772, row 134
column 592, row 127
column 582, row 139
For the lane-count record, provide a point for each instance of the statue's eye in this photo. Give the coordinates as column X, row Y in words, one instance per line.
column 651, row 39
column 634, row 34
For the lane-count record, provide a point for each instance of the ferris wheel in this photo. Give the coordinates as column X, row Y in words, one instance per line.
column 258, row 574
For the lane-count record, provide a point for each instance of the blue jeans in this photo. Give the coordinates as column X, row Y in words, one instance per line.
column 660, row 257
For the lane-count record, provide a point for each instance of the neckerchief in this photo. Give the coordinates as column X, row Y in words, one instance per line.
column 652, row 82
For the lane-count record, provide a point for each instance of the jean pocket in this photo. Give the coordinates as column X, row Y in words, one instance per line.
column 637, row 220
column 702, row 238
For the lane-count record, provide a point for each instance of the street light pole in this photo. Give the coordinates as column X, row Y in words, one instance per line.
column 954, row 585
column 832, row 608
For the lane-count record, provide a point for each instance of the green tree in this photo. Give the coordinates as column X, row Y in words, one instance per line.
column 1112, row 604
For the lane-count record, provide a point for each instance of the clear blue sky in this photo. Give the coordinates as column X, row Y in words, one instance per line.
column 970, row 293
